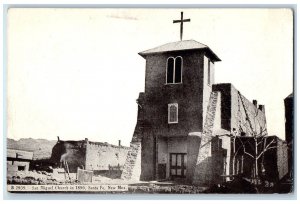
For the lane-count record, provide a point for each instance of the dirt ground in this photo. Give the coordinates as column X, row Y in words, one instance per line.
column 44, row 178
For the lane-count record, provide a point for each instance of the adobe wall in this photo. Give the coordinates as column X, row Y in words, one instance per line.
column 238, row 114
column 148, row 157
column 207, row 88
column 282, row 158
column 208, row 159
column 193, row 145
column 225, row 90
column 162, row 150
column 88, row 155
column 241, row 108
column 99, row 156
column 139, row 127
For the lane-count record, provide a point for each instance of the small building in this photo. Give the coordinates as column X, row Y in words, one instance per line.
column 84, row 154
column 18, row 160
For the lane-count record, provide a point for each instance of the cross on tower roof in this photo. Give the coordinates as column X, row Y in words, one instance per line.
column 181, row 24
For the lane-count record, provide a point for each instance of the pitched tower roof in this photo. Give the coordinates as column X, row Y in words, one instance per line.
column 179, row 46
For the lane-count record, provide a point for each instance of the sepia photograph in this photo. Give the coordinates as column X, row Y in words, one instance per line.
column 150, row 100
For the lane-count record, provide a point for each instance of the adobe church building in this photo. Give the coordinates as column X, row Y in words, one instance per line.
column 185, row 121
column 182, row 109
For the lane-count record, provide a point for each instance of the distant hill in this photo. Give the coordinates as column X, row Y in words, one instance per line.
column 41, row 148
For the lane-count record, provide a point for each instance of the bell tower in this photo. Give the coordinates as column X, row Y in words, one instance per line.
column 178, row 83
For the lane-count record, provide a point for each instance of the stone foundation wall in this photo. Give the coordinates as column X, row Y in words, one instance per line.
column 132, row 166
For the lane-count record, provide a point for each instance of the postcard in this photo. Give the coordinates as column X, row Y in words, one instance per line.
column 150, row 100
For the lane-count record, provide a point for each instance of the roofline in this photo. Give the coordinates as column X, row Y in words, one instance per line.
column 291, row 96
column 217, row 59
column 30, row 151
column 18, row 159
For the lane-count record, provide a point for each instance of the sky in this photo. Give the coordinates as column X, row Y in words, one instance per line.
column 76, row 73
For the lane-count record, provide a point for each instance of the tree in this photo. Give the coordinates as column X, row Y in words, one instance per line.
column 251, row 138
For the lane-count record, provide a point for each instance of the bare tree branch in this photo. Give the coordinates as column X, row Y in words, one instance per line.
column 271, row 148
column 236, row 152
column 260, row 142
column 249, row 154
column 266, row 148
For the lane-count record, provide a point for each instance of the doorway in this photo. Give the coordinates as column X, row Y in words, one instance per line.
column 178, row 163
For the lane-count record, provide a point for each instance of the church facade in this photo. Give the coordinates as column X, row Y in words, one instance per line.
column 185, row 120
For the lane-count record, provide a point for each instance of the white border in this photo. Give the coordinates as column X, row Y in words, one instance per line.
column 232, row 199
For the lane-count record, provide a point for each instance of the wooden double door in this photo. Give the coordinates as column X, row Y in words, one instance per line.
column 178, row 163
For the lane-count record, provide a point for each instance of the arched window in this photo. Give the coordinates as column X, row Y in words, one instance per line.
column 173, row 113
column 170, row 70
column 174, row 70
column 178, row 67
